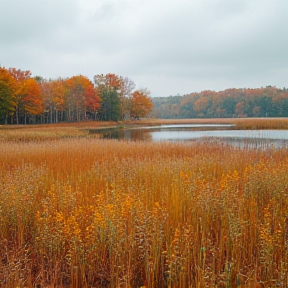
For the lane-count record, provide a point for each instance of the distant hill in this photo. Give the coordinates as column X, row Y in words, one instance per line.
column 246, row 102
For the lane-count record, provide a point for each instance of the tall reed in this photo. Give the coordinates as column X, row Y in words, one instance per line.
column 104, row 213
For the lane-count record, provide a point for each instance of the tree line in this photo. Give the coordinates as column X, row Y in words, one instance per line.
column 260, row 102
column 30, row 100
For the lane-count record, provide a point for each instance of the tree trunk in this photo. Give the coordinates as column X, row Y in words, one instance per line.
column 51, row 114
column 17, row 116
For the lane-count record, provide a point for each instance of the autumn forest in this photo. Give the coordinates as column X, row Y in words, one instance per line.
column 34, row 100
column 261, row 102
column 31, row 100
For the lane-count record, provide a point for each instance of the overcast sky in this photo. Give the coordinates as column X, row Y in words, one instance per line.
column 167, row 46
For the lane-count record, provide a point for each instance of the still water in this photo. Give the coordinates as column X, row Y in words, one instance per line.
column 192, row 132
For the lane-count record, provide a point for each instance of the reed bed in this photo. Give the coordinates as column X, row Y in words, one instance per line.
column 104, row 213
column 240, row 123
column 44, row 132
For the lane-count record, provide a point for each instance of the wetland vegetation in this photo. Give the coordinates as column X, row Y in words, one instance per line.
column 78, row 211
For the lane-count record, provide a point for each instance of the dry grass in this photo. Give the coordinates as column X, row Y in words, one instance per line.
column 100, row 213
column 241, row 123
column 27, row 133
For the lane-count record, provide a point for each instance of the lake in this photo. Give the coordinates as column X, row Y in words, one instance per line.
column 193, row 132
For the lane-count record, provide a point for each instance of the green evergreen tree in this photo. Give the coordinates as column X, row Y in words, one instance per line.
column 110, row 105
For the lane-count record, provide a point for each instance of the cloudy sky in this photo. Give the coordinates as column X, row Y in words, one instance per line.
column 168, row 46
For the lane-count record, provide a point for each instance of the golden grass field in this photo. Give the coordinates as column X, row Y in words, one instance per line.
column 76, row 211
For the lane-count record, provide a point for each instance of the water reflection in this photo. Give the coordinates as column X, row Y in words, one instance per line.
column 123, row 134
column 192, row 132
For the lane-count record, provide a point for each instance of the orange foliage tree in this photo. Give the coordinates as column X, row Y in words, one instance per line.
column 201, row 104
column 28, row 97
column 32, row 98
column 20, row 76
column 82, row 100
column 141, row 104
column 58, row 98
column 109, row 81
column 54, row 100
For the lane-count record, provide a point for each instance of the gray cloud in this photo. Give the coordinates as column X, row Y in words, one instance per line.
column 167, row 46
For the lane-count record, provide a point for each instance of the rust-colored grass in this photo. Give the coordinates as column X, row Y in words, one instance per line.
column 82, row 212
column 44, row 132
column 240, row 123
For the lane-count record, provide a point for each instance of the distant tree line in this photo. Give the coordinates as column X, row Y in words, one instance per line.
column 261, row 102
column 29, row 100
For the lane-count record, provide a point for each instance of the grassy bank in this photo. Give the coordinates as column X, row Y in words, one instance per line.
column 240, row 123
column 82, row 212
